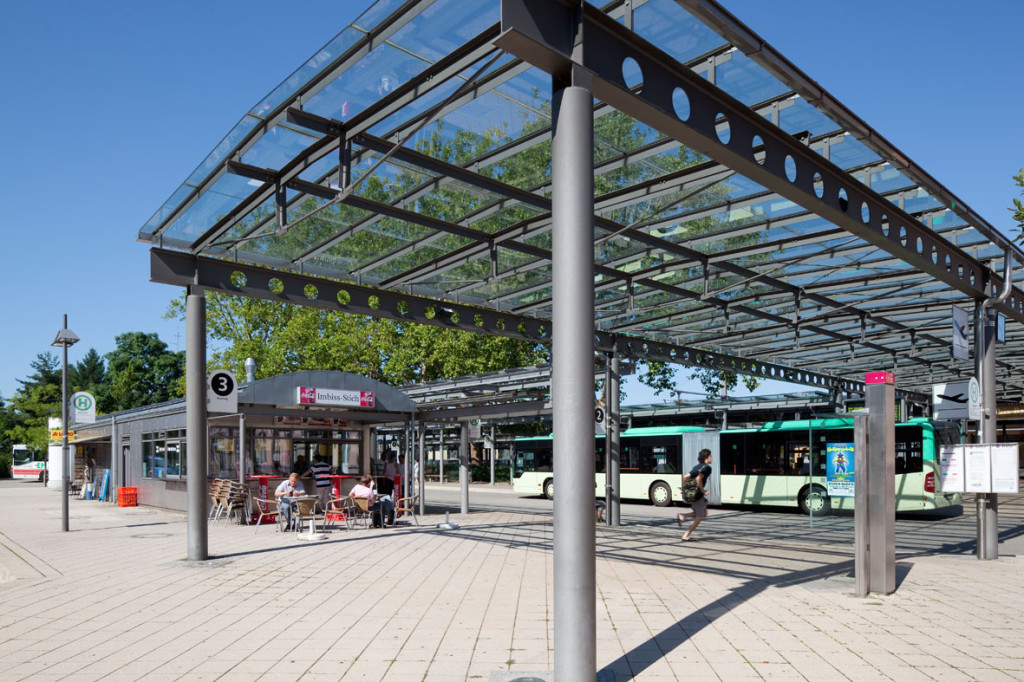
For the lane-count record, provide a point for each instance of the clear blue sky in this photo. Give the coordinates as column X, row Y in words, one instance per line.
column 108, row 106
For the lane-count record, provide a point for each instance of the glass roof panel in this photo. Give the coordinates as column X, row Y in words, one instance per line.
column 377, row 74
column 800, row 116
column 225, row 194
column 277, row 147
column 747, row 81
column 725, row 237
column 674, row 30
column 851, row 153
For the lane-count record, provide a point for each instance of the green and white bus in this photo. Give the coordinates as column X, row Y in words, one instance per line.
column 778, row 464
column 784, row 463
column 651, row 463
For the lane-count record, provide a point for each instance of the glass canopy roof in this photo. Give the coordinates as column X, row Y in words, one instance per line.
column 412, row 155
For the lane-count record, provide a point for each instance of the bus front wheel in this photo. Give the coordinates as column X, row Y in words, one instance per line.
column 814, row 500
column 549, row 489
column 661, row 494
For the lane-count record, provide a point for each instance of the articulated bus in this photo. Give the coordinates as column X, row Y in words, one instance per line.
column 778, row 464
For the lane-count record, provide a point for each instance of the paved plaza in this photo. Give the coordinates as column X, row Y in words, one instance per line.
column 114, row 599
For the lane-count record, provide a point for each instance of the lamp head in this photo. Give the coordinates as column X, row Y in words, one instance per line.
column 65, row 337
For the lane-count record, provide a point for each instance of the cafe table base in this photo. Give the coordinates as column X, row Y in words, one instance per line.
column 312, row 535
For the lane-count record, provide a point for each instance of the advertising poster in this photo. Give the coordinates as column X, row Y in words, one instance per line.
column 839, row 469
column 951, row 468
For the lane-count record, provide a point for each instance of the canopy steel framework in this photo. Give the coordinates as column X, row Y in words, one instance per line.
column 743, row 218
column 452, row 163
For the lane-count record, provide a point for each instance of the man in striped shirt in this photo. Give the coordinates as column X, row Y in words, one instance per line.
column 320, row 471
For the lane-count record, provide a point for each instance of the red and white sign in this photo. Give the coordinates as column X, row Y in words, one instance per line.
column 309, row 395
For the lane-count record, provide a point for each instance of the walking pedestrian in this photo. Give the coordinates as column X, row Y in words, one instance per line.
column 320, row 471
column 699, row 507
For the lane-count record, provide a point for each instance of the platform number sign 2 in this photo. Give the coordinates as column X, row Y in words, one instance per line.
column 222, row 392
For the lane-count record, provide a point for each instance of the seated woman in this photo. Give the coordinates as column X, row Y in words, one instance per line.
column 376, row 502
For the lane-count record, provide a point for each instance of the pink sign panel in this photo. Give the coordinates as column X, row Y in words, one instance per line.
column 310, row 395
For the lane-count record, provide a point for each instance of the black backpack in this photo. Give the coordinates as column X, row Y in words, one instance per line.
column 691, row 491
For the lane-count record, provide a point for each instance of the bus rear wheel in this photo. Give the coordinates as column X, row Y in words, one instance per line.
column 814, row 500
column 549, row 489
column 660, row 494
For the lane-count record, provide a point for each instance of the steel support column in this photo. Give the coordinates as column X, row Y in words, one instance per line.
column 861, row 508
column 611, row 416
column 464, row 468
column 241, row 448
column 572, row 384
column 195, row 422
column 881, row 485
column 420, row 469
column 986, row 504
column 494, row 452
column 115, row 461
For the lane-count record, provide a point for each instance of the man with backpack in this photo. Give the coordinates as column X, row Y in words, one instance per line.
column 699, row 475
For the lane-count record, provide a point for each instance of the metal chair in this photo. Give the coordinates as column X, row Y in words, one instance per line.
column 339, row 509
column 408, row 505
column 234, row 497
column 273, row 507
column 304, row 510
column 365, row 514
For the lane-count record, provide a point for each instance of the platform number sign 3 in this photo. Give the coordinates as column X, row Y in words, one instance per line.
column 222, row 395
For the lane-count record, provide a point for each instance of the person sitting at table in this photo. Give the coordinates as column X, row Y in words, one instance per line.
column 290, row 488
column 376, row 502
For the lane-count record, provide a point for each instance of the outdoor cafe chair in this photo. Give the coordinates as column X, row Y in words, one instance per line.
column 272, row 508
column 365, row 514
column 339, row 509
column 408, row 505
column 220, row 498
column 304, row 510
column 235, row 499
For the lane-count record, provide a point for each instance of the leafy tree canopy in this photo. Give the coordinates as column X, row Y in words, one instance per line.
column 1018, row 207
column 141, row 371
column 285, row 338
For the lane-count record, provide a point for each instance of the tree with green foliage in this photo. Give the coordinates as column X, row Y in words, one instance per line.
column 285, row 338
column 33, row 404
column 1018, row 207
column 6, row 443
column 88, row 374
column 141, row 371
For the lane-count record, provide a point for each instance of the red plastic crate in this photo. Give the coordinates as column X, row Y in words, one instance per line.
column 127, row 497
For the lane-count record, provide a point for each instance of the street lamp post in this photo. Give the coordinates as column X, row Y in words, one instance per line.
column 65, row 339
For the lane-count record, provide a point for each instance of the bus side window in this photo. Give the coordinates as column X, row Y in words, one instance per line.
column 732, row 453
column 909, row 450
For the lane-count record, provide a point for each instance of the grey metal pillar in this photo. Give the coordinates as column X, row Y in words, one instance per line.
column 464, row 467
column 65, row 458
column 611, row 416
column 195, row 422
column 410, row 452
column 241, row 448
column 881, row 484
column 986, row 504
column 494, row 452
column 440, row 456
column 115, row 458
column 572, row 380
column 422, row 466
column 861, row 508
